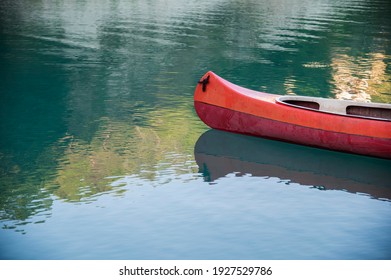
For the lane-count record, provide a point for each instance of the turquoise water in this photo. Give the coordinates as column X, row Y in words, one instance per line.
column 103, row 157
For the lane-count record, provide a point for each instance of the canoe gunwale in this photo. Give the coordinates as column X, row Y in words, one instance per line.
column 333, row 106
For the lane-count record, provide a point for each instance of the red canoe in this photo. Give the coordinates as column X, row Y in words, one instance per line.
column 360, row 128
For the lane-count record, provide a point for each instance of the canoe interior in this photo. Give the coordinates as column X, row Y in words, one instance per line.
column 373, row 112
column 342, row 107
column 305, row 104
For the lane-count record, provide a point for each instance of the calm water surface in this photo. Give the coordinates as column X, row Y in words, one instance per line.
column 103, row 157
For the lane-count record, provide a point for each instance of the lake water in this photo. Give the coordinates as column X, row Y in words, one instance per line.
column 102, row 155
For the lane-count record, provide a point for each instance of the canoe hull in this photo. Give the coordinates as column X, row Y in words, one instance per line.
column 238, row 122
column 231, row 119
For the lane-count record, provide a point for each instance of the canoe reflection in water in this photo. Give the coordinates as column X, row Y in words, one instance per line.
column 219, row 153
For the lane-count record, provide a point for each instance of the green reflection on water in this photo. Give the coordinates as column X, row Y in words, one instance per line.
column 124, row 148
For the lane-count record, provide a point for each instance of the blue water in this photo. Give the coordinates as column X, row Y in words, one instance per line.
column 191, row 220
column 103, row 157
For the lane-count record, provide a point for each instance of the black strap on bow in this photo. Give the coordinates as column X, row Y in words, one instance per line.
column 204, row 82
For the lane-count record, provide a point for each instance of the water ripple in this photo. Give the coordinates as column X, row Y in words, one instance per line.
column 96, row 110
